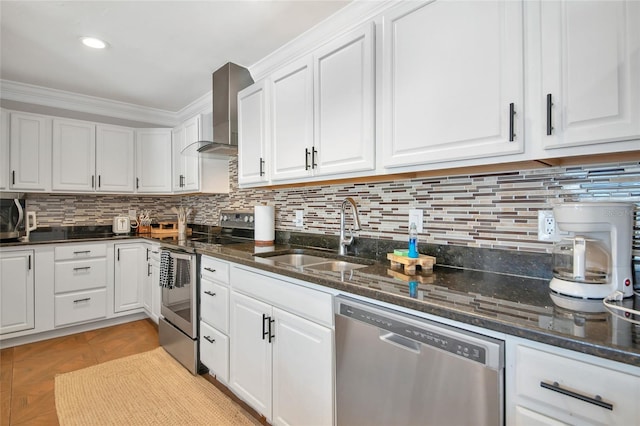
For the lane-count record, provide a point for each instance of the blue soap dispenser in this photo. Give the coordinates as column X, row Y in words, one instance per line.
column 413, row 241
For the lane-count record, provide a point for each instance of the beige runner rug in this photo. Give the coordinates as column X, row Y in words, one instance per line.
column 150, row 388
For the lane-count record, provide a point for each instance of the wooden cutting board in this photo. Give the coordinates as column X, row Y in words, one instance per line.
column 411, row 263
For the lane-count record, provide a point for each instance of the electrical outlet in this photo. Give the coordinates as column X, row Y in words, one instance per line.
column 415, row 216
column 299, row 220
column 547, row 229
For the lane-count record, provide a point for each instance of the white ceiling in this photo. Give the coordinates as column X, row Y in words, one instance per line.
column 161, row 53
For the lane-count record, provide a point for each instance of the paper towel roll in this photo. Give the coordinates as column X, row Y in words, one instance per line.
column 265, row 232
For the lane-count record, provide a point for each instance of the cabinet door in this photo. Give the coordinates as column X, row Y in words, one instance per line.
column 302, row 371
column 214, row 304
column 292, row 120
column 253, row 137
column 30, row 151
column 214, row 351
column 114, row 158
column 4, row 150
column 250, row 369
column 590, row 71
column 452, row 81
column 153, row 160
column 16, row 291
column 191, row 164
column 177, row 165
column 74, row 156
column 151, row 294
column 129, row 276
column 344, row 104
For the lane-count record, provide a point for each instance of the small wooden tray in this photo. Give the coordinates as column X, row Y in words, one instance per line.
column 166, row 229
column 410, row 263
column 422, row 279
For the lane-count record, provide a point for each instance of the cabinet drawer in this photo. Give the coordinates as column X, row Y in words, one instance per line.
column 569, row 379
column 80, row 275
column 79, row 251
column 80, row 306
column 214, row 269
column 214, row 352
column 305, row 302
column 214, row 304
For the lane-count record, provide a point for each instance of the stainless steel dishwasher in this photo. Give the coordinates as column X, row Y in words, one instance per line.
column 396, row 369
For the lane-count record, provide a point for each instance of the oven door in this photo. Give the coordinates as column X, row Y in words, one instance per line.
column 179, row 301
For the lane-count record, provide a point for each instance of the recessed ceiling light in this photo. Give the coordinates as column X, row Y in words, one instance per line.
column 93, row 42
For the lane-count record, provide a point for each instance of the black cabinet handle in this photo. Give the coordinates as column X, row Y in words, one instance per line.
column 86, row 299
column 306, row 159
column 82, row 252
column 148, row 269
column 29, row 262
column 271, row 336
column 118, row 255
column 265, row 333
column 512, row 114
column 596, row 400
column 99, row 181
column 137, row 183
column 82, row 268
column 13, row 177
column 314, row 152
column 147, row 254
column 210, row 293
column 261, row 167
column 93, row 181
column 549, row 122
column 209, row 269
column 209, row 339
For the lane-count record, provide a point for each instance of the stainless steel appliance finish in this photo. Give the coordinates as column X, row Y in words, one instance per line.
column 228, row 80
column 178, row 325
column 397, row 369
column 12, row 215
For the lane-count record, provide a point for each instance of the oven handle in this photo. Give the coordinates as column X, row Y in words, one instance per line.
column 185, row 255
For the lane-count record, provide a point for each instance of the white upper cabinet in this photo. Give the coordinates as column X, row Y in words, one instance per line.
column 253, row 134
column 323, row 110
column 292, row 120
column 452, row 81
column 153, row 160
column 4, row 150
column 344, row 104
column 30, row 152
column 590, row 72
column 185, row 167
column 74, row 152
column 114, row 158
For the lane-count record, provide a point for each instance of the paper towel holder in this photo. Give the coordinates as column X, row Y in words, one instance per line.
column 264, row 229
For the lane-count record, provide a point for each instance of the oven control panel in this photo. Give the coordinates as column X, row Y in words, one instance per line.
column 239, row 219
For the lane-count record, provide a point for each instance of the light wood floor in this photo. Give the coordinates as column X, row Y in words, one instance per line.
column 27, row 372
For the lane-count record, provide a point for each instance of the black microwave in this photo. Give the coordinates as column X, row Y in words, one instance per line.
column 12, row 216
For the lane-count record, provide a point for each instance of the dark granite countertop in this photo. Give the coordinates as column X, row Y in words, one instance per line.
column 514, row 305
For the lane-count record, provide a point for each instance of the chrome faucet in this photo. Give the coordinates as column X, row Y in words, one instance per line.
column 344, row 242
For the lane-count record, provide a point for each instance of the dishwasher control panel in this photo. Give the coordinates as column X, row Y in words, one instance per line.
column 425, row 334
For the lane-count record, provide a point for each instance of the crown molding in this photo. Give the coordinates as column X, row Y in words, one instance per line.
column 355, row 13
column 38, row 95
column 204, row 104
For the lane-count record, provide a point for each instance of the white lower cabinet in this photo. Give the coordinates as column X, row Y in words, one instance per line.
column 281, row 363
column 129, row 276
column 151, row 293
column 552, row 387
column 16, row 291
column 80, row 283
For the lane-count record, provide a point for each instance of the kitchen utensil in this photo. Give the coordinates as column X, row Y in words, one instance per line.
column 121, row 225
column 595, row 260
column 31, row 224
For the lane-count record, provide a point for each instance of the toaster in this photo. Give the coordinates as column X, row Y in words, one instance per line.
column 121, row 225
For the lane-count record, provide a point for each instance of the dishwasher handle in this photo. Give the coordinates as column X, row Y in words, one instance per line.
column 399, row 341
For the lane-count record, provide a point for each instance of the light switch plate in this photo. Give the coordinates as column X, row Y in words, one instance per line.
column 415, row 216
column 299, row 220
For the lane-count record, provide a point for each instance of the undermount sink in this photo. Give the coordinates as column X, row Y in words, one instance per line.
column 315, row 260
column 336, row 266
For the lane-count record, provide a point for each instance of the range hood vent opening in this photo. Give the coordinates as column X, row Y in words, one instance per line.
column 228, row 80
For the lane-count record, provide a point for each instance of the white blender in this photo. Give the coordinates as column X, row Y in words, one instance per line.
column 595, row 260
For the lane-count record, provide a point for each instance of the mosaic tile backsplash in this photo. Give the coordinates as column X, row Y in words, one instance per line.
column 493, row 210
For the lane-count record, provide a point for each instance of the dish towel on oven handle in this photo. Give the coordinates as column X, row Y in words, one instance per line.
column 166, row 269
column 182, row 273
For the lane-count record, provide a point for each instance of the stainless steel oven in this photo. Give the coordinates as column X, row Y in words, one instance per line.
column 178, row 323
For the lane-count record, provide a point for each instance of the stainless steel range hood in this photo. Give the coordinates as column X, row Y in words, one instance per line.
column 228, row 80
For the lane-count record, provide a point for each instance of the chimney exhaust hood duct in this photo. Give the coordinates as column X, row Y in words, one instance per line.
column 228, row 80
